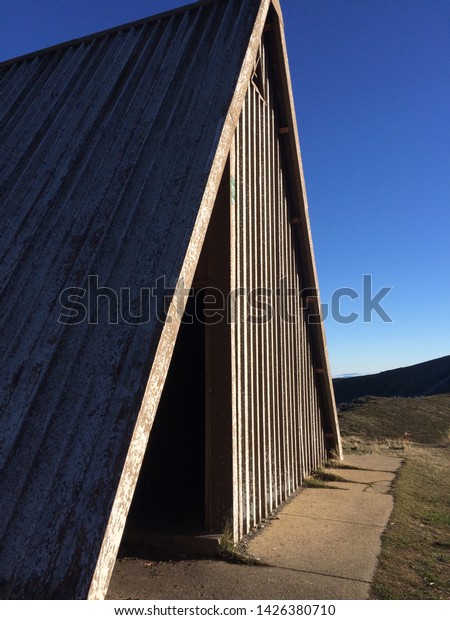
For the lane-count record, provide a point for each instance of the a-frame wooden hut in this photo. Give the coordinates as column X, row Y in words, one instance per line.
column 163, row 151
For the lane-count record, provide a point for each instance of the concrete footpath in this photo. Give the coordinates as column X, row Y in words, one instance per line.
column 323, row 545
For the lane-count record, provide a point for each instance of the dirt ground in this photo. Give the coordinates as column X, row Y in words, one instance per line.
column 322, row 545
column 210, row 579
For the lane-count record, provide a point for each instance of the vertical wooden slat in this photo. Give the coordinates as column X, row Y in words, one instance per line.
column 257, row 283
column 281, row 252
column 294, row 358
column 254, row 327
column 283, row 326
column 276, row 329
column 273, row 285
column 290, row 343
column 291, row 353
column 312, row 415
column 250, row 286
column 265, row 258
column 235, row 344
column 313, row 412
column 260, row 130
column 306, row 441
column 244, row 324
column 299, row 387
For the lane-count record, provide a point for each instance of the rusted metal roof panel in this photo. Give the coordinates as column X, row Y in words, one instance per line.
column 106, row 148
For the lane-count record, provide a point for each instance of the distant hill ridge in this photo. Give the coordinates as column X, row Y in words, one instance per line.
column 425, row 379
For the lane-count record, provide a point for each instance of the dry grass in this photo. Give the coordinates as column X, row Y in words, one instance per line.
column 316, row 483
column 415, row 558
column 386, row 420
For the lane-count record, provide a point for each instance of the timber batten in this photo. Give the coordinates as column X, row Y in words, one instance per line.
column 279, row 417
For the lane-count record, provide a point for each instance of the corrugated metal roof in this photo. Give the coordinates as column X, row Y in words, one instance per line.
column 106, row 148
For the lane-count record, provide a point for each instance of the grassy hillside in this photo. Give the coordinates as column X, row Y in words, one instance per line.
column 415, row 558
column 386, row 420
column 424, row 379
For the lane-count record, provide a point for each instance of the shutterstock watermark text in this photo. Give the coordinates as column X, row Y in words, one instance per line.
column 97, row 303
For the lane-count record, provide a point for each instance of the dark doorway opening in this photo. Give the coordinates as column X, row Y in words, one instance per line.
column 170, row 493
column 184, row 494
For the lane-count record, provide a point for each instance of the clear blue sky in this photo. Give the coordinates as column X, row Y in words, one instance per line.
column 372, row 88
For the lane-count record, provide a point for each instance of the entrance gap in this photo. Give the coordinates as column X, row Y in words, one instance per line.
column 170, row 493
column 184, row 494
